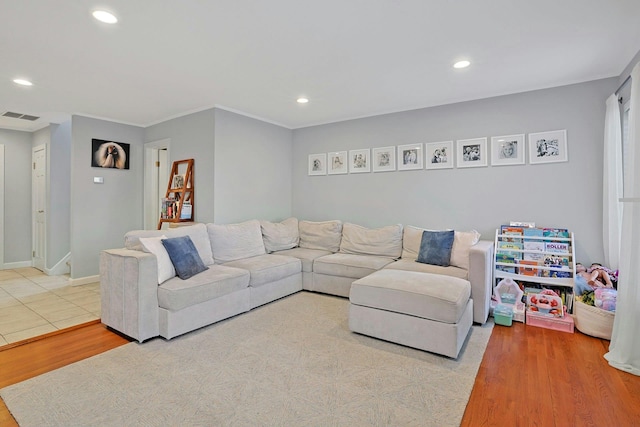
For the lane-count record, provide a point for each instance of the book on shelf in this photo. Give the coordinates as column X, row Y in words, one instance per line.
column 533, row 245
column 557, row 247
column 532, row 232
column 555, row 232
column 528, row 271
column 186, row 211
column 506, row 258
column 504, row 248
column 512, row 234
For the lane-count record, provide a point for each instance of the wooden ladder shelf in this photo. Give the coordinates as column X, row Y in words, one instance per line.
column 179, row 194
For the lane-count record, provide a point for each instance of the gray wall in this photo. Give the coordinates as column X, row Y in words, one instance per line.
column 554, row 195
column 17, row 193
column 102, row 213
column 252, row 169
column 192, row 137
column 59, row 198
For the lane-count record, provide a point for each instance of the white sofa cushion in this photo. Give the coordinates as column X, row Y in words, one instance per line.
column 268, row 268
column 236, row 241
column 325, row 235
column 197, row 233
column 165, row 267
column 462, row 242
column 218, row 280
column 279, row 236
column 384, row 241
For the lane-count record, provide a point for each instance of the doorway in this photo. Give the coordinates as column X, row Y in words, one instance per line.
column 156, row 177
column 39, row 200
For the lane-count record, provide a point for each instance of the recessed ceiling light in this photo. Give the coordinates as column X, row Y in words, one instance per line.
column 461, row 64
column 104, row 16
column 23, row 82
column 302, row 100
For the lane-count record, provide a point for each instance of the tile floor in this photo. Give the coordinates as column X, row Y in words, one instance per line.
column 32, row 304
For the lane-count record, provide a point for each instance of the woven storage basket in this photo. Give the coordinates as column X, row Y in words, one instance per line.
column 593, row 320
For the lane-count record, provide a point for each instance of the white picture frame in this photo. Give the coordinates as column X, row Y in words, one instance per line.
column 507, row 150
column 383, row 159
column 410, row 157
column 548, row 147
column 471, row 153
column 318, row 164
column 360, row 161
column 439, row 155
column 337, row 163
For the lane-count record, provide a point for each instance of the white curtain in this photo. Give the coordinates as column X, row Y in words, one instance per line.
column 612, row 184
column 624, row 350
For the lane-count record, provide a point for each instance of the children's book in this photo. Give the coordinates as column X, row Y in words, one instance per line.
column 556, row 247
column 503, row 248
column 528, row 271
column 555, row 232
column 533, row 232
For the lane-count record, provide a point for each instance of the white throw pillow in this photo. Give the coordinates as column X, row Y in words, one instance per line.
column 462, row 242
column 280, row 235
column 384, row 241
column 165, row 266
column 236, row 241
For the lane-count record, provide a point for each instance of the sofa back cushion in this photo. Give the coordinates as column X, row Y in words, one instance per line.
column 236, row 241
column 197, row 233
column 385, row 241
column 462, row 242
column 324, row 235
column 281, row 235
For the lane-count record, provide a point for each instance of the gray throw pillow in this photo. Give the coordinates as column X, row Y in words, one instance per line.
column 184, row 256
column 435, row 247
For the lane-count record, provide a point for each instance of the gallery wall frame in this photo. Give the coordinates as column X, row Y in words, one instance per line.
column 507, row 150
column 471, row 153
column 383, row 159
column 109, row 154
column 410, row 157
column 439, row 155
column 318, row 164
column 337, row 163
column 548, row 147
column 360, row 160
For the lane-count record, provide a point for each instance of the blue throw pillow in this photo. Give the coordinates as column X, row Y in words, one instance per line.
column 435, row 247
column 184, row 256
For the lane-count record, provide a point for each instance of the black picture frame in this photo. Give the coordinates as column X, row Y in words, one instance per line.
column 109, row 154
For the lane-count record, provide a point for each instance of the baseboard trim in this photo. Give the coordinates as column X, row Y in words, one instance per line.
column 84, row 280
column 60, row 268
column 20, row 264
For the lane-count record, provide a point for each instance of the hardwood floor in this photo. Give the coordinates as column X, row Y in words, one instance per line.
column 528, row 377
column 533, row 376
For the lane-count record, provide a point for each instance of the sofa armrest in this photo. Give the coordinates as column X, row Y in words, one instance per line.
column 129, row 292
column 480, row 277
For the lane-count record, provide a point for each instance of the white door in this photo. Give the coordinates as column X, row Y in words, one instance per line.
column 156, row 176
column 39, row 184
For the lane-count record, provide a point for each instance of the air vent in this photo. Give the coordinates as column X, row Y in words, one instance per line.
column 20, row 116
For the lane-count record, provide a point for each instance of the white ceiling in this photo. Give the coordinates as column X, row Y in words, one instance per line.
column 351, row 58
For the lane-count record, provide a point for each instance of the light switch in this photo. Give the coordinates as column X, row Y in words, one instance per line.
column 98, row 180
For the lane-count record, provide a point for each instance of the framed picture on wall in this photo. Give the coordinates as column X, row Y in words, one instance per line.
column 439, row 155
column 359, row 161
column 318, row 164
column 109, row 154
column 507, row 150
column 472, row 153
column 548, row 147
column 337, row 163
column 410, row 157
column 384, row 159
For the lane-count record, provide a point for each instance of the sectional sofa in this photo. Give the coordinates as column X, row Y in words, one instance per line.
column 246, row 265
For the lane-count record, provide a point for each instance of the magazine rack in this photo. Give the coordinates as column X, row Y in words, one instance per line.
column 177, row 206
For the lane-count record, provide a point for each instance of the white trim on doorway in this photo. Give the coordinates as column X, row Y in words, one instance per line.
column 2, row 206
column 151, row 184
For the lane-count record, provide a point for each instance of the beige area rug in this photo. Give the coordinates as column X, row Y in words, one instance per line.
column 293, row 362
